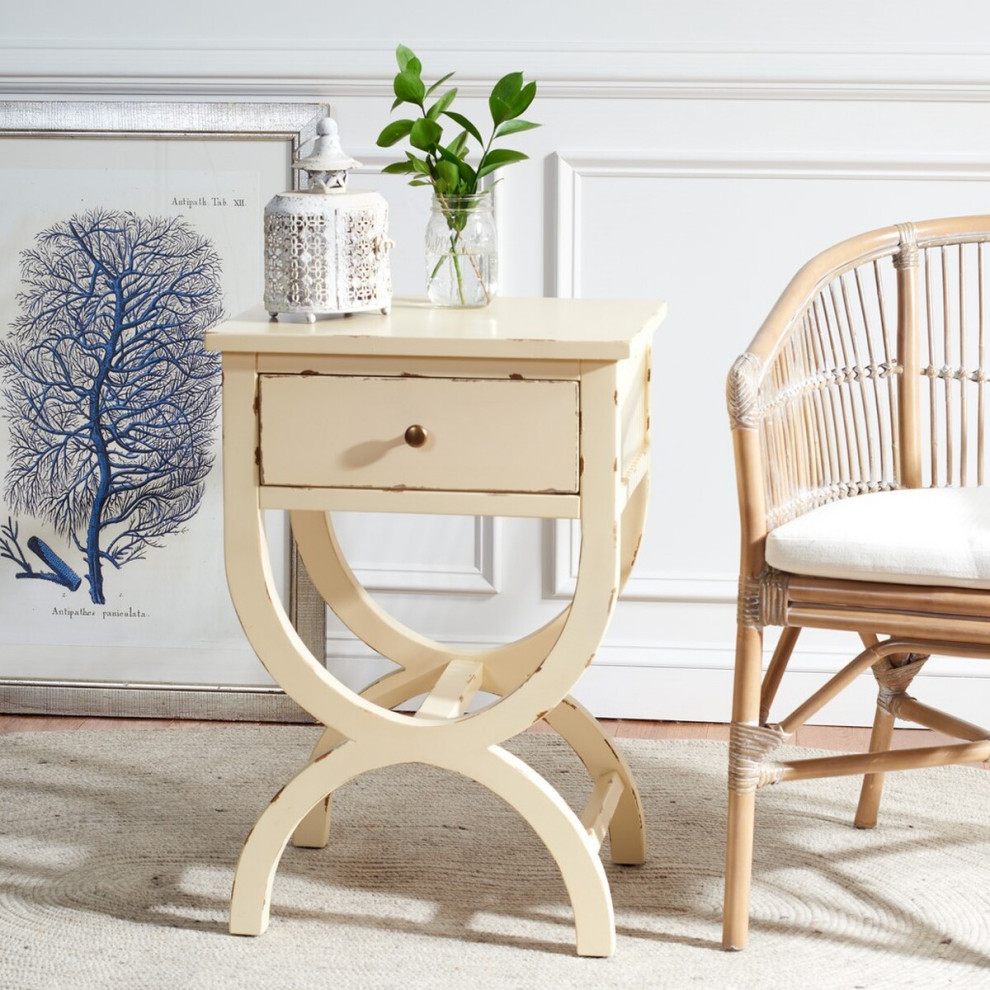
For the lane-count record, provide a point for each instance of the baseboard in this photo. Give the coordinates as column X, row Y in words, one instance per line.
column 259, row 703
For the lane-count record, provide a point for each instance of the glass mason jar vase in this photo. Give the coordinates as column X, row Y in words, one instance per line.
column 461, row 251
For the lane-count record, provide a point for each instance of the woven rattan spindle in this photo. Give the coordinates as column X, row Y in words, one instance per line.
column 864, row 373
column 876, row 444
column 785, row 441
column 930, row 370
column 841, row 362
column 799, row 412
column 908, row 408
column 981, row 362
column 824, row 400
column 962, row 377
column 890, row 359
column 774, row 481
column 791, row 406
column 947, row 365
column 778, row 480
column 833, row 439
column 811, row 410
column 855, row 384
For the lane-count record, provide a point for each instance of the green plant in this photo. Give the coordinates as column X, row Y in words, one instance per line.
column 445, row 165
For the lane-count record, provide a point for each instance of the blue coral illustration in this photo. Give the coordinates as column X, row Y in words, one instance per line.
column 110, row 398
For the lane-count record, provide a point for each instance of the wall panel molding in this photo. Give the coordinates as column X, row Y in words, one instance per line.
column 564, row 548
column 674, row 654
column 573, row 171
column 580, row 71
column 481, row 577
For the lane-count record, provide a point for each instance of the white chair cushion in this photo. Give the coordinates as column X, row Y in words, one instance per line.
column 936, row 536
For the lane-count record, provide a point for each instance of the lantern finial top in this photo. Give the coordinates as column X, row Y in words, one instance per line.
column 327, row 165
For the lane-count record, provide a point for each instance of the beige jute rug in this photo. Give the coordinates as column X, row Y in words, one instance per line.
column 117, row 851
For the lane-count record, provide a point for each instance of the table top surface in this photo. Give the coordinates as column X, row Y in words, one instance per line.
column 515, row 328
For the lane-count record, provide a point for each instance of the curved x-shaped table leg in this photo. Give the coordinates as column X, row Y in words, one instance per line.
column 501, row 772
column 425, row 658
column 571, row 720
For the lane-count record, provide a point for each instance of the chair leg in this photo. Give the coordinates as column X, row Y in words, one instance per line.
column 869, row 795
column 738, row 869
column 778, row 665
column 742, row 790
column 894, row 675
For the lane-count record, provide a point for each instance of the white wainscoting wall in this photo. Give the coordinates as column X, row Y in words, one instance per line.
column 698, row 152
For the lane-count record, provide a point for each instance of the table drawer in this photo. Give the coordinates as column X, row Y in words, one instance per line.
column 480, row 434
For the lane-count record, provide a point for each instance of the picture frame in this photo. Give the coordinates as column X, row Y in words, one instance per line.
column 213, row 166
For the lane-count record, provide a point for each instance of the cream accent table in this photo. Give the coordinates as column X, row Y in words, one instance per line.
column 529, row 407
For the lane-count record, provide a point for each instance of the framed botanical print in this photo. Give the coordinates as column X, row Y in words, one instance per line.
column 127, row 229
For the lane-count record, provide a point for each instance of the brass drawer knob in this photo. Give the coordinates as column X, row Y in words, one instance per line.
column 416, row 435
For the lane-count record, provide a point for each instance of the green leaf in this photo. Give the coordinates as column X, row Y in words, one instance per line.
column 404, row 56
column 418, row 164
column 441, row 104
column 523, row 99
column 459, row 118
column 393, row 132
column 447, row 154
column 409, row 88
column 457, row 175
column 513, row 126
column 503, row 97
column 503, row 156
column 439, row 82
column 457, row 147
column 469, row 178
column 499, row 157
column 398, row 168
column 425, row 134
column 421, row 182
column 449, row 174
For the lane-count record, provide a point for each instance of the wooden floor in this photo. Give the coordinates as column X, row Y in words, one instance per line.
column 830, row 737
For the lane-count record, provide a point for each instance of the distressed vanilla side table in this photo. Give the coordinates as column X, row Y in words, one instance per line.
column 528, row 407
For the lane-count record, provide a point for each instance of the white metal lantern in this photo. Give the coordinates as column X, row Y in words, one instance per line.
column 326, row 249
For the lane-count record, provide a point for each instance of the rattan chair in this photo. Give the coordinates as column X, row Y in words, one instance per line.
column 860, row 417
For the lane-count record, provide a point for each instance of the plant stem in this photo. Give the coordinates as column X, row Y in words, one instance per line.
column 484, row 153
column 455, row 236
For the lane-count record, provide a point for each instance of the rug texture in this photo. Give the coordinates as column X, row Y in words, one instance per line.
column 117, row 851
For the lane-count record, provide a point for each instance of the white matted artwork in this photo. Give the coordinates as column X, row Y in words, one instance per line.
column 127, row 230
